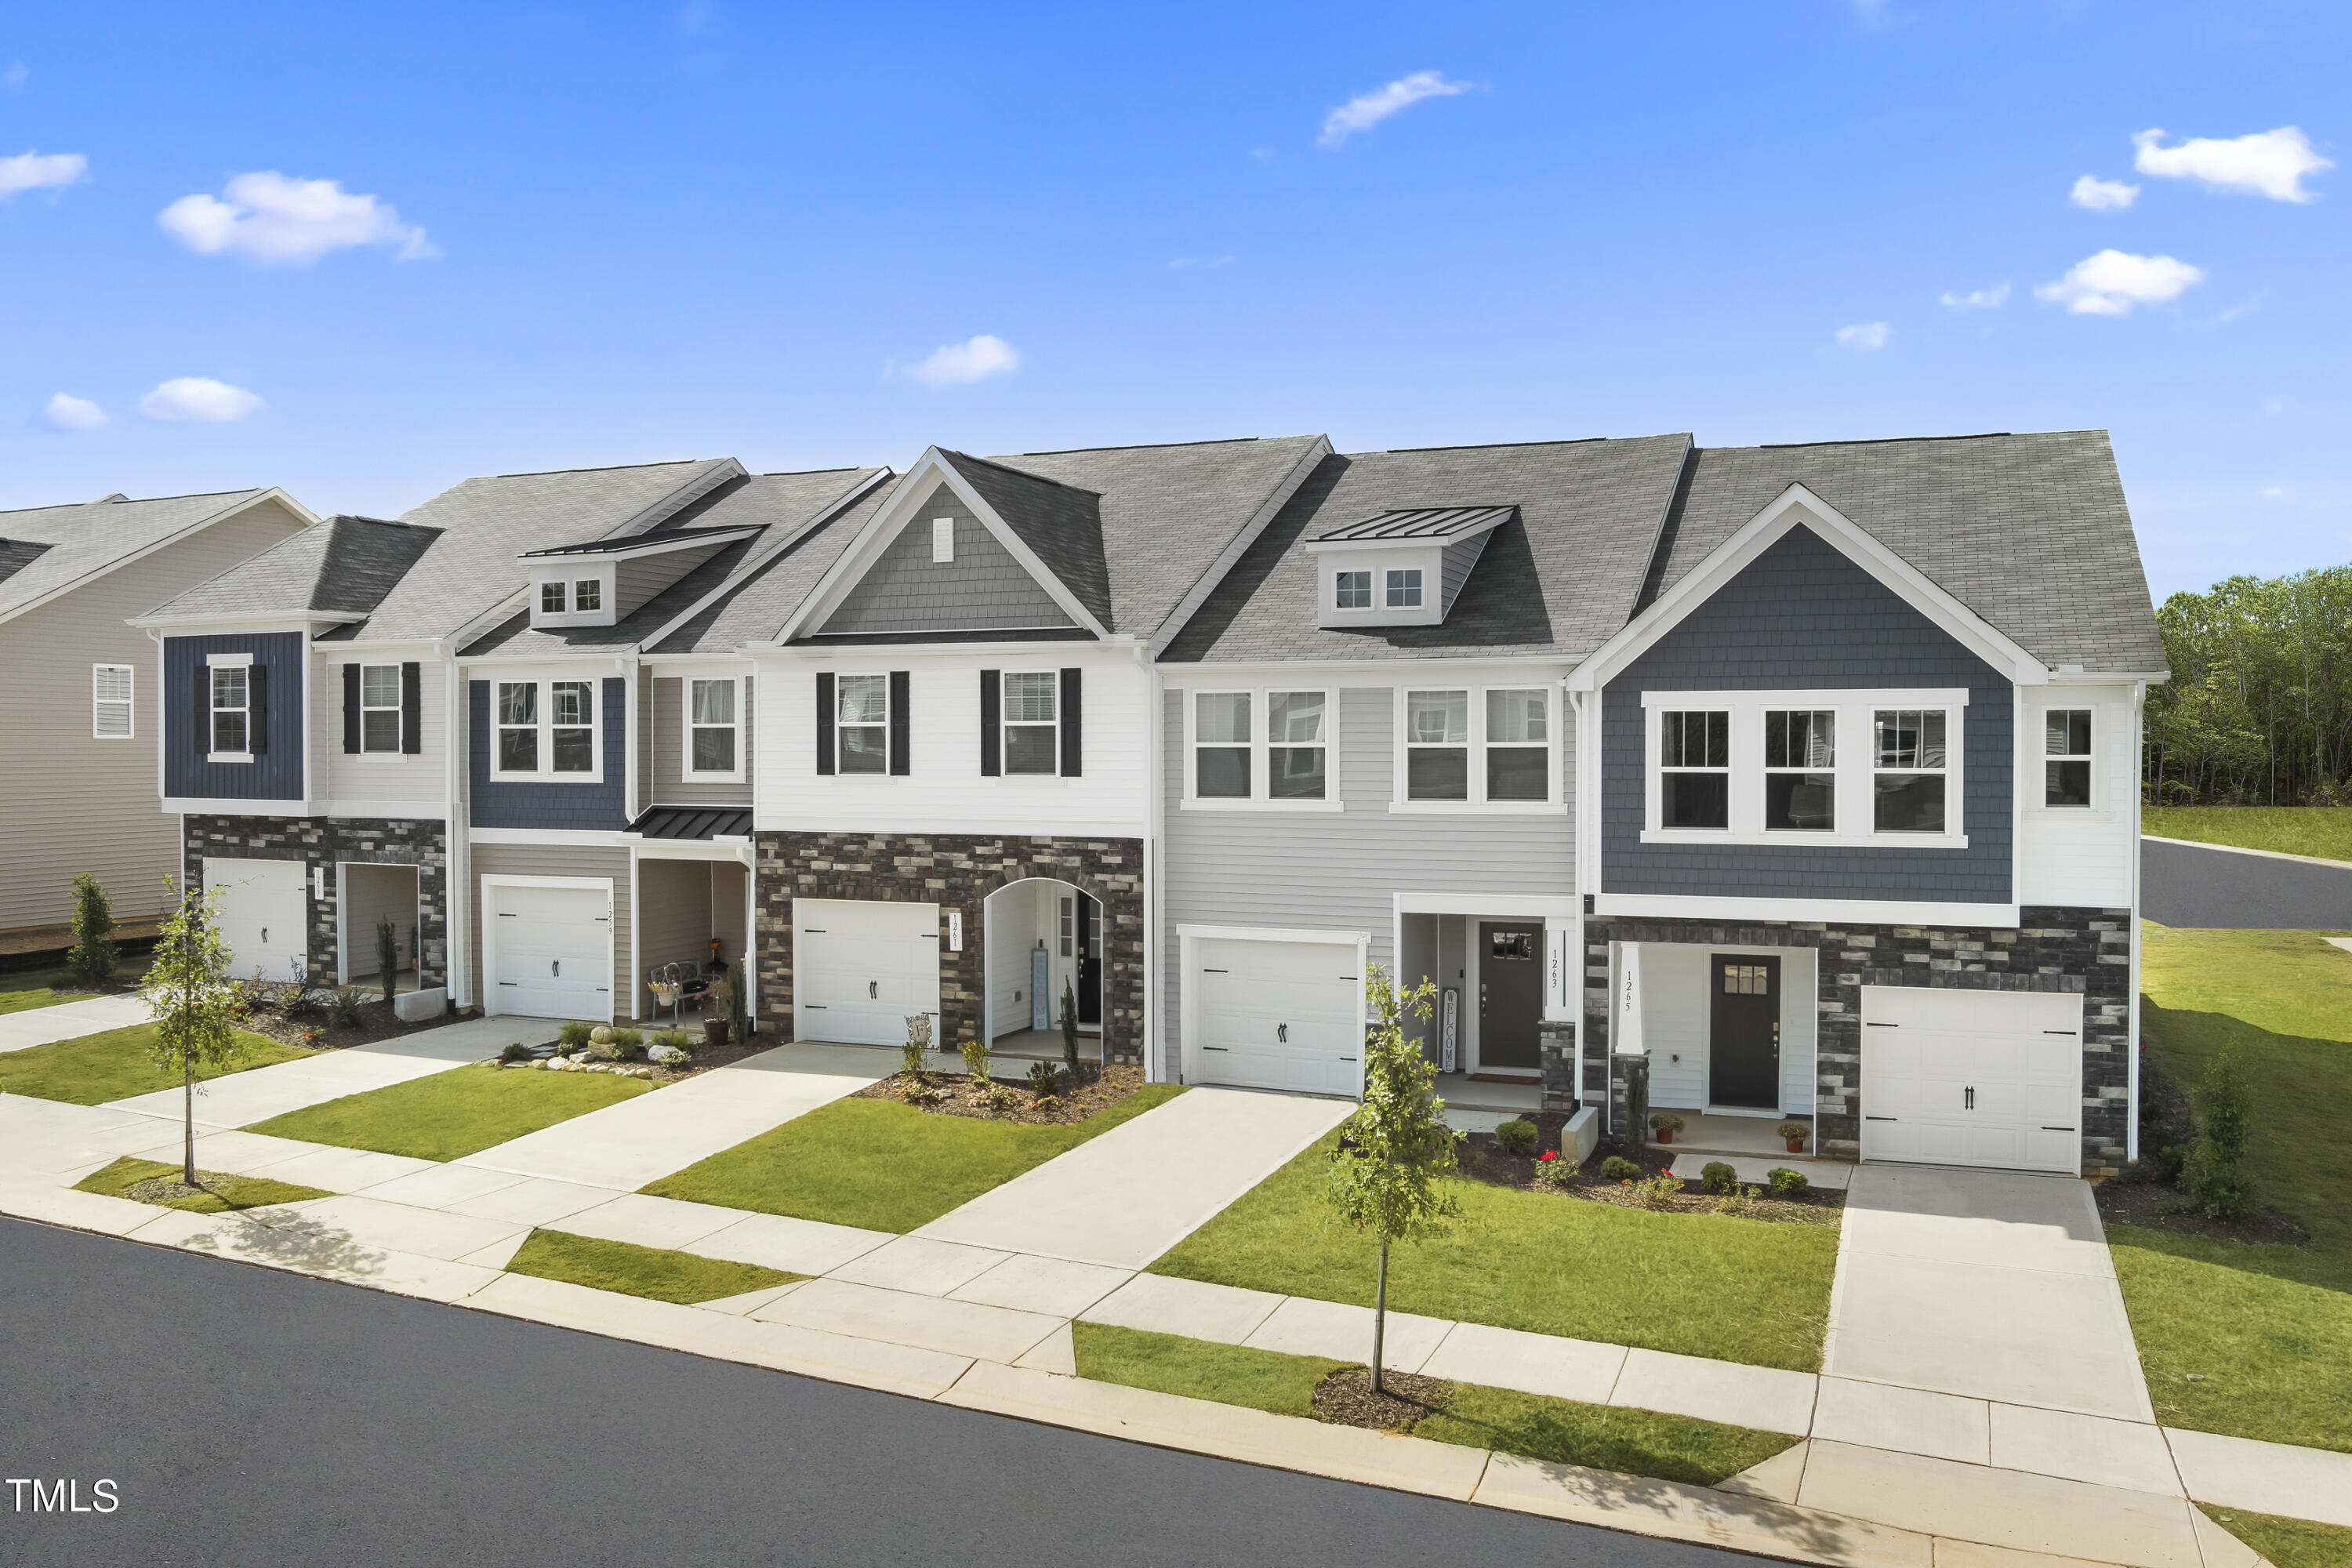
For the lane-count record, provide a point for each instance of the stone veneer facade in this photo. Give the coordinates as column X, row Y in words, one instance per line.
column 2087, row 952
column 956, row 872
column 325, row 840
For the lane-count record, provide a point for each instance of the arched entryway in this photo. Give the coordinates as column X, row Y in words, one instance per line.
column 1044, row 944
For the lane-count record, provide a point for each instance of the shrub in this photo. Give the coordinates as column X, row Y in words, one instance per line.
column 918, row 1046
column 1795, row 1130
column 2213, row 1173
column 1666, row 1121
column 1617, row 1168
column 1657, row 1189
column 1516, row 1136
column 1070, row 1029
column 1045, row 1078
column 387, row 954
column 343, row 1006
column 572, row 1037
column 997, row 1096
column 1551, row 1171
column 677, row 1040
column 516, row 1052
column 1717, row 1177
column 1786, row 1182
column 975, row 1061
column 93, row 957
column 301, row 1002
column 921, row 1092
column 629, row 1045
column 667, row 1055
column 2170, row 1160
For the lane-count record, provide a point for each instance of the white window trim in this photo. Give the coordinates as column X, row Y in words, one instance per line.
column 603, row 573
column 686, row 727
column 1005, row 723
column 393, row 750
column 227, row 661
column 1416, row 583
column 1552, row 804
column 129, row 702
column 1337, row 587
column 1258, row 798
column 1856, row 756
column 2039, row 799
column 562, row 586
column 838, row 770
column 545, row 772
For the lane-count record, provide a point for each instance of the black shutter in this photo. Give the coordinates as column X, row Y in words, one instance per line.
column 899, row 716
column 412, row 708
column 991, row 731
column 1073, row 741
column 825, row 721
column 350, row 708
column 257, row 711
column 203, row 727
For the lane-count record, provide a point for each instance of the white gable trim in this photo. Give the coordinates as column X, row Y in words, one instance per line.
column 882, row 531
column 1793, row 507
column 120, row 562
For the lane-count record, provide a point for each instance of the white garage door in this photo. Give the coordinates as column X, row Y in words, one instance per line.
column 1278, row 1015
column 1972, row 1078
column 861, row 970
column 550, row 951
column 263, row 916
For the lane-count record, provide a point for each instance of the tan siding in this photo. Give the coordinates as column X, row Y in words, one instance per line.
column 667, row 754
column 552, row 860
column 69, row 803
column 674, row 913
column 378, row 775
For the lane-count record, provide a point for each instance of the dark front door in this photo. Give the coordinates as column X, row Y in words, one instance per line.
column 1744, row 1029
column 1510, row 994
column 1089, row 962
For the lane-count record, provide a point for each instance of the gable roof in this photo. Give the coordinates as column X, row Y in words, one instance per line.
column 343, row 566
column 2031, row 533
column 56, row 547
column 1061, row 524
column 1554, row 582
column 774, row 587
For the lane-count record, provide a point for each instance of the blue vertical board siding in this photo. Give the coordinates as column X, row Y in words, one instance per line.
column 1804, row 616
column 585, row 808
column 277, row 775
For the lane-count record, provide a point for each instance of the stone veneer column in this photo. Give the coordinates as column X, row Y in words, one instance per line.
column 1556, row 1047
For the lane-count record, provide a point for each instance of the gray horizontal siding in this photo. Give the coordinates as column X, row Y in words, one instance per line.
column 982, row 589
column 1459, row 558
column 636, row 581
column 666, row 762
column 1341, row 870
column 1804, row 616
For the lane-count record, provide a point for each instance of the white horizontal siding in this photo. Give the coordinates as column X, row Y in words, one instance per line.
column 2072, row 856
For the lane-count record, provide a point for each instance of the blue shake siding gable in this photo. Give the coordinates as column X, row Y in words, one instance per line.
column 277, row 774
column 1802, row 616
column 598, row 807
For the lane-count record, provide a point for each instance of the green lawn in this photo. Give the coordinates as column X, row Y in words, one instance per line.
column 94, row 1069
column 2322, row 830
column 2265, row 1326
column 448, row 1115
column 1703, row 1285
column 1599, row 1436
column 35, row 987
column 222, row 1194
column 881, row 1165
column 663, row 1274
column 2288, row 1542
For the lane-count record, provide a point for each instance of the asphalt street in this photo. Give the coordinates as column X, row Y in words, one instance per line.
column 2188, row 885
column 257, row 1418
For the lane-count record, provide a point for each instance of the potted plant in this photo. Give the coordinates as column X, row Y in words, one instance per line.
column 1665, row 1124
column 1796, row 1132
column 716, row 1028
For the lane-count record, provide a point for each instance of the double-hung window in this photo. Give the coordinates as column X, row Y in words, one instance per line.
column 572, row 722
column 231, row 717
column 1519, row 749
column 1220, row 745
column 1436, row 744
column 1479, row 747
column 2066, row 757
column 545, row 728
column 109, row 701
column 378, row 708
column 713, row 742
column 1266, row 747
column 1800, row 771
column 1033, row 742
column 1694, row 768
column 1353, row 590
column 1404, row 588
column 1296, row 741
column 861, row 723
column 1908, row 771
column 517, row 726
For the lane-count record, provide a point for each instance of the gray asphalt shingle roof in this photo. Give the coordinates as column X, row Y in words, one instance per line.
column 1061, row 522
column 758, row 610
column 2029, row 531
column 342, row 566
column 1555, row 583
column 91, row 536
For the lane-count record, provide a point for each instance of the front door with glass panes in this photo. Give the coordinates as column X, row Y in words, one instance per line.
column 1510, row 994
column 1744, row 1032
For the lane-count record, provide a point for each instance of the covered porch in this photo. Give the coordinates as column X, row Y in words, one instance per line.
column 1043, row 948
column 1730, row 1033
column 691, row 919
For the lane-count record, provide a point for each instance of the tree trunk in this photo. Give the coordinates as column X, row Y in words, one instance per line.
column 188, row 1104
column 1379, row 1315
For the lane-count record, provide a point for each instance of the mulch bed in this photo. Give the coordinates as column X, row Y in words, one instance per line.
column 2146, row 1201
column 1483, row 1162
column 1104, row 1087
column 377, row 1022
column 1345, row 1399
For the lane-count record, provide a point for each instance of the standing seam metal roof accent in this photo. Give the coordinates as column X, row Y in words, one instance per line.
column 1423, row 522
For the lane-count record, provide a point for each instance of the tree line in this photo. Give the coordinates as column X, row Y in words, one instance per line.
column 2259, row 711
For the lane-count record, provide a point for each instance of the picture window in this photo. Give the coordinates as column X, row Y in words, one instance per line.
column 1355, row 591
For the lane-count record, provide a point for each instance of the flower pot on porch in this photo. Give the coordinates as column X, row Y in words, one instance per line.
column 714, row 1031
column 1796, row 1146
column 1665, row 1134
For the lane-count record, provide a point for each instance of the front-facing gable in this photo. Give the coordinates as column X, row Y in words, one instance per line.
column 959, row 578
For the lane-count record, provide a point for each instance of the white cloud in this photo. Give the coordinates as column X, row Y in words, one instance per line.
column 1368, row 110
column 974, row 359
column 2243, row 308
column 2113, row 282
column 271, row 218
column 40, row 172
column 198, row 397
column 2267, row 164
column 1991, row 299
column 66, row 411
column 2098, row 195
column 2273, row 492
column 15, row 76
column 1864, row 337
column 2277, row 404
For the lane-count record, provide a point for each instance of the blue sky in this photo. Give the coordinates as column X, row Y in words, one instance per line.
column 613, row 235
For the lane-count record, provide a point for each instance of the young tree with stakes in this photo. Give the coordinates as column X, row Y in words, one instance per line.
column 186, row 987
column 1396, row 1148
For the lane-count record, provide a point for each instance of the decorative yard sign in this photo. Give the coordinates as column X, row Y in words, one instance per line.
column 1450, row 1031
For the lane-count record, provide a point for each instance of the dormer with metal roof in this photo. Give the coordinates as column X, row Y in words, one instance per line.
column 1400, row 568
column 600, row 581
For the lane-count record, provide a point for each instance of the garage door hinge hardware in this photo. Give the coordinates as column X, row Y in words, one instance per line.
column 2057, row 1129
column 1216, row 971
column 1882, row 1118
column 1881, row 1025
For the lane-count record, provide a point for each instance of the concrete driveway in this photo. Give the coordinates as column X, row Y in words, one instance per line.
column 1985, row 1285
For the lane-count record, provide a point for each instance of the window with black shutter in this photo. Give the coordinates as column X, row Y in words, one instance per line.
column 825, row 721
column 991, row 755
column 351, row 708
column 899, row 722
column 412, row 709
column 1073, row 746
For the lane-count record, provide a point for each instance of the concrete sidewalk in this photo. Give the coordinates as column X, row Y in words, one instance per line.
column 69, row 1020
column 242, row 1098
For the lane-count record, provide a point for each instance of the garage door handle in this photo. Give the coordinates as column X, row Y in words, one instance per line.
column 1282, row 1034
column 1347, row 1058
column 2068, row 1033
column 555, row 967
column 1968, row 1100
column 874, row 991
column 265, row 933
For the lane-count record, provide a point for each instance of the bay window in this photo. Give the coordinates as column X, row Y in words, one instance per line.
column 2066, row 759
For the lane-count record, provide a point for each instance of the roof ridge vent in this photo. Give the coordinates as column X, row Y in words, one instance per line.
column 104, row 500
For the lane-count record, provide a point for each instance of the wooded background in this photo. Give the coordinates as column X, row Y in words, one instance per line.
column 2258, row 712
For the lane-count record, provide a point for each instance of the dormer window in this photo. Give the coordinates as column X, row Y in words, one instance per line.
column 1405, row 589
column 1401, row 568
column 550, row 599
column 1355, row 591
column 588, row 593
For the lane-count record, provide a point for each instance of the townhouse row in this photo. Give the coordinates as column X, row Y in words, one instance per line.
column 1806, row 775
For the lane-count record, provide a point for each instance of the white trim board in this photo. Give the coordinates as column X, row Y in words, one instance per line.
column 1854, row 911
